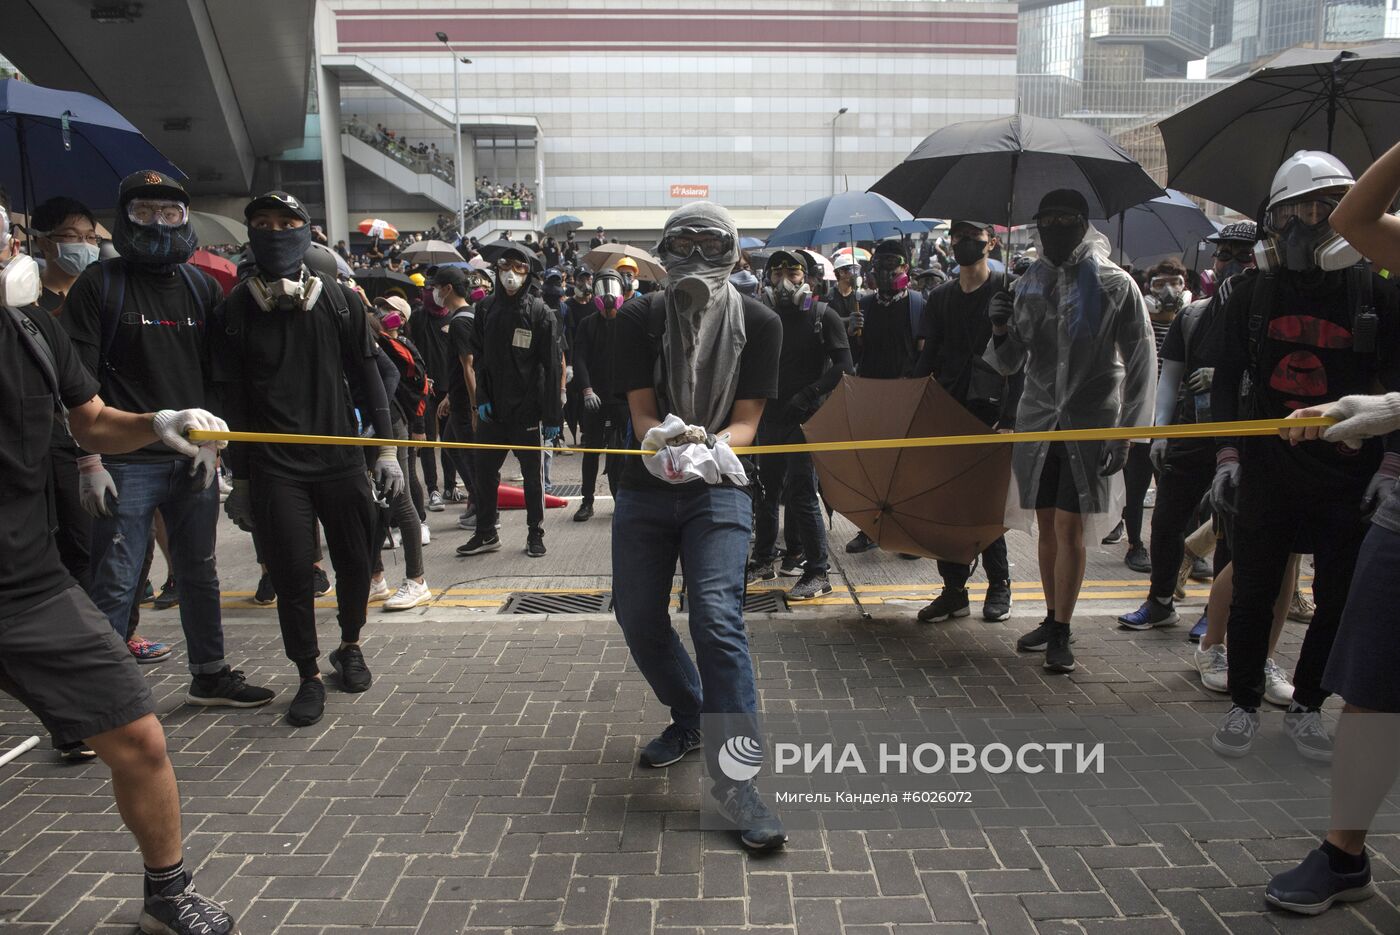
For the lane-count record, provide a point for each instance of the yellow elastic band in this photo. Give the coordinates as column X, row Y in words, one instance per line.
column 1202, row 430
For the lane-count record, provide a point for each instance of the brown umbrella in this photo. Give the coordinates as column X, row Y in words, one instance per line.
column 606, row 256
column 945, row 502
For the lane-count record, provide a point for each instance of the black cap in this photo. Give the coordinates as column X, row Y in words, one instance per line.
column 277, row 201
column 891, row 248
column 1240, row 231
column 1063, row 201
column 448, row 276
column 976, row 225
column 148, row 183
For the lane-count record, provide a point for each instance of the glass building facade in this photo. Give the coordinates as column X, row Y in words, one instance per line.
column 1251, row 31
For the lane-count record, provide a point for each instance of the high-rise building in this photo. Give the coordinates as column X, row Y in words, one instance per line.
column 1250, row 32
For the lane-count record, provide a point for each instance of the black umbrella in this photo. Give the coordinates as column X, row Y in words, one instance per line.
column 496, row 249
column 1226, row 147
column 1170, row 226
column 378, row 281
column 998, row 170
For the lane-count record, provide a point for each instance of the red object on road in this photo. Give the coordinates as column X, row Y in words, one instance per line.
column 513, row 498
column 223, row 271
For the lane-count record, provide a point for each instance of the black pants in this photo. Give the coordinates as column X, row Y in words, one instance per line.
column 1281, row 511
column 994, row 562
column 602, row 428
column 459, row 429
column 285, row 511
column 1186, row 479
column 488, row 473
column 1137, row 476
column 432, row 429
column 789, row 479
column 74, row 523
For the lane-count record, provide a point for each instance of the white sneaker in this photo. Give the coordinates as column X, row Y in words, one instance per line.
column 1214, row 668
column 1149, row 500
column 427, row 535
column 1277, row 688
column 395, row 539
column 409, row 595
column 378, row 590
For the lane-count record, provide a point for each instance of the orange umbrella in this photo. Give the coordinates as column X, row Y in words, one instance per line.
column 377, row 227
column 946, row 503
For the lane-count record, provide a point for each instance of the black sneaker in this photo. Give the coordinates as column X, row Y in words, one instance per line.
column 1313, row 886
column 227, row 688
column 309, row 704
column 861, row 543
column 323, row 581
column 585, row 512
column 1115, row 535
column 1138, row 560
column 673, row 743
column 1058, row 657
column 759, row 829
column 997, row 606
column 168, row 597
column 179, row 910
column 349, row 662
column 534, row 544
column 791, row 565
column 1201, row 570
column 759, row 571
column 1152, row 613
column 148, row 593
column 266, row 593
column 811, row 585
column 951, row 603
column 435, row 504
column 478, row 544
column 1236, row 733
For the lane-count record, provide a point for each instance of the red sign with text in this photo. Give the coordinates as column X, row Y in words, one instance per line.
column 690, row 191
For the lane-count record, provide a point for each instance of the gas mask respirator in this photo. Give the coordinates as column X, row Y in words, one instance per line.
column 285, row 295
column 19, row 274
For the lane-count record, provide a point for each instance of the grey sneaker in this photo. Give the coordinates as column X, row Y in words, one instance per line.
column 673, row 744
column 1309, row 734
column 179, row 910
column 759, row 571
column 812, row 584
column 759, row 828
column 1236, row 733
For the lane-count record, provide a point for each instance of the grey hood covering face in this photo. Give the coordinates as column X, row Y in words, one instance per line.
column 704, row 324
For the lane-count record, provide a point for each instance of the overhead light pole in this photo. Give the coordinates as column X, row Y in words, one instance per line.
column 838, row 116
column 457, row 132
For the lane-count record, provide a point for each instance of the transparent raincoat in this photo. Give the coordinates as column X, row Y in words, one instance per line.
column 1081, row 333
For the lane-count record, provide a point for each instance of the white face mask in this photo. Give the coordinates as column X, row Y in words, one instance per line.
column 19, row 281
column 511, row 281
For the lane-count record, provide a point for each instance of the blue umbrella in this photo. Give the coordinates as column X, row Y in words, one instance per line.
column 750, row 243
column 849, row 216
column 65, row 143
column 563, row 224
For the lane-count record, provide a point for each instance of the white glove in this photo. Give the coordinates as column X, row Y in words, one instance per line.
column 591, row 400
column 171, row 425
column 205, row 464
column 660, row 436
column 1201, row 379
column 568, row 374
column 387, row 473
column 95, row 485
column 1362, row 417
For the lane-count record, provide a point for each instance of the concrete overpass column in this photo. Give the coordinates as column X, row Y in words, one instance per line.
column 332, row 159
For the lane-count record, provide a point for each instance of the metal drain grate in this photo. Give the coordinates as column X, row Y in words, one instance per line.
column 758, row 602
column 568, row 490
column 559, row 602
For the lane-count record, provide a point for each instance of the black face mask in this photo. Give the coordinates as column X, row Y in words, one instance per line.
column 968, row 251
column 279, row 253
column 1059, row 242
column 153, row 245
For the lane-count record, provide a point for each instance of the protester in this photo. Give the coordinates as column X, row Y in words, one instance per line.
column 59, row 655
column 719, row 396
column 457, row 293
column 519, row 385
column 630, row 273
column 1079, row 329
column 953, row 335
column 293, row 354
column 844, row 295
column 814, row 356
column 428, row 331
column 604, row 416
column 1300, row 333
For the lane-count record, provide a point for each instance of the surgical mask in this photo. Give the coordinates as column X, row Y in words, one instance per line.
column 511, row 281
column 280, row 253
column 1059, row 241
column 19, row 281
column 73, row 258
column 440, row 296
column 968, row 251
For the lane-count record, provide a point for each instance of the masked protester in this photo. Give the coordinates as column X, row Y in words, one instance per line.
column 139, row 322
column 457, row 293
column 1078, row 328
column 293, row 353
column 63, row 660
column 953, row 336
column 700, row 359
column 844, row 295
column 1311, row 324
column 604, row 411
column 518, row 362
column 576, row 306
column 428, row 331
column 883, row 330
column 628, row 272
column 814, row 356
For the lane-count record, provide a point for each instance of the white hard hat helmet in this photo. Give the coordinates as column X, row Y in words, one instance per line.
column 1308, row 171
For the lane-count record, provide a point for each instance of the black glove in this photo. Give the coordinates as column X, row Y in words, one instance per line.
column 1114, row 456
column 803, row 404
column 1225, row 487
column 1000, row 309
column 239, row 506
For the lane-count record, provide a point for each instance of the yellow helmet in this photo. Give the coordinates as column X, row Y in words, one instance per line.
column 627, row 263
column 417, row 279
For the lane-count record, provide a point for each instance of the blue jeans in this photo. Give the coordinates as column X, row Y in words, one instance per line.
column 707, row 528
column 118, row 549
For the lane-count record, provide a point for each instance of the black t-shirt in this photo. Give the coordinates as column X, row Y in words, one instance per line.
column 1187, row 343
column 30, row 570
column 596, row 338
column 460, row 324
column 516, row 348
column 887, row 349
column 429, row 334
column 52, row 302
column 158, row 355
column 285, row 372
column 641, row 325
column 810, row 337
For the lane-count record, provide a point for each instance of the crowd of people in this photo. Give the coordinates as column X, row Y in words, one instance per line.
column 110, row 363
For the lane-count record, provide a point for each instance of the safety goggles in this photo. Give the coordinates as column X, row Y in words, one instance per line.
column 713, row 243
column 164, row 213
column 1237, row 255
column 782, row 269
column 506, row 264
column 1162, row 282
column 1312, row 212
column 888, row 262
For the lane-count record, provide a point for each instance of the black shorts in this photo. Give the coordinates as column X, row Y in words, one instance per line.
column 1057, row 490
column 62, row 660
